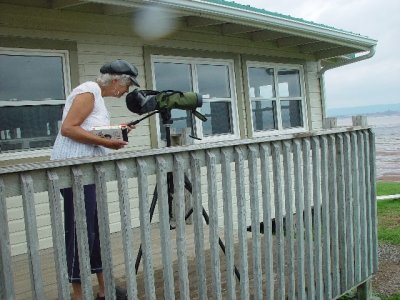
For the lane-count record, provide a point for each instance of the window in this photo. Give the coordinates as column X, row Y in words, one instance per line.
column 33, row 88
column 213, row 79
column 276, row 98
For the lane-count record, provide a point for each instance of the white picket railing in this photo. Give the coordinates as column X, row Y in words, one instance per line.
column 318, row 189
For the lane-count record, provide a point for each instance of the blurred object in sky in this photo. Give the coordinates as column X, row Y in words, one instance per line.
column 154, row 22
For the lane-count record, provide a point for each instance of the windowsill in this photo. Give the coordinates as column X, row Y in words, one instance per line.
column 22, row 156
column 278, row 132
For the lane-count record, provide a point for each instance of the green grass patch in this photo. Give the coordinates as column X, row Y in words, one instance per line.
column 393, row 297
column 384, row 188
column 389, row 221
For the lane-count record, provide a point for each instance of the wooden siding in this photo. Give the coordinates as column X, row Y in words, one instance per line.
column 99, row 39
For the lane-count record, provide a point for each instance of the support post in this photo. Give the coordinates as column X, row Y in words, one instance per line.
column 364, row 290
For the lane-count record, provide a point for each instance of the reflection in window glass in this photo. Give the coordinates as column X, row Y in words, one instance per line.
column 218, row 118
column 173, row 76
column 214, row 81
column 291, row 114
column 25, row 127
column 261, row 82
column 289, row 83
column 180, row 118
column 263, row 115
column 29, row 77
column 178, row 77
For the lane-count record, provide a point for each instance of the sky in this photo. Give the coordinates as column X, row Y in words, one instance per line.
column 369, row 82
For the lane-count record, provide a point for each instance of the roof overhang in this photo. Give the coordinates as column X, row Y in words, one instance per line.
column 325, row 43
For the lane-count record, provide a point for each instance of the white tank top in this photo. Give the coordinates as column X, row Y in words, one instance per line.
column 65, row 147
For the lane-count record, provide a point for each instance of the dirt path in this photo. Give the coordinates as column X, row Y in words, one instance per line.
column 387, row 280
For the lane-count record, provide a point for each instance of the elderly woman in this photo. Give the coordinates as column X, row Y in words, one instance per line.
column 84, row 109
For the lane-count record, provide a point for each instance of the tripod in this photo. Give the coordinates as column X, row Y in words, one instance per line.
column 167, row 121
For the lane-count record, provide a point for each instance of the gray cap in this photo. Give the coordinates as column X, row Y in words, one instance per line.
column 121, row 67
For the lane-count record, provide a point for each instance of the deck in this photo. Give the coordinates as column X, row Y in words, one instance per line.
column 23, row 285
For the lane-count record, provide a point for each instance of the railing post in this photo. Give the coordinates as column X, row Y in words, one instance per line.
column 364, row 290
column 360, row 121
column 329, row 123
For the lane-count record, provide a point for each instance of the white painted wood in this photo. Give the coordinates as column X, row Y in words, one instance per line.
column 81, row 232
column 349, row 204
column 179, row 200
column 374, row 216
column 104, row 230
column 308, row 230
column 6, row 270
column 58, row 235
column 316, row 178
column 165, row 236
column 241, row 215
column 289, row 228
column 28, row 199
column 226, row 171
column 299, row 200
column 195, row 164
column 255, row 222
column 145, row 229
column 298, row 181
column 342, row 212
column 333, row 218
column 213, row 226
column 326, row 240
column 265, row 154
column 368, row 199
column 363, row 209
column 126, row 228
column 278, row 197
column 356, row 208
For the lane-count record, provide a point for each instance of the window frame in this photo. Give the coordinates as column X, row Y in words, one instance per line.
column 193, row 61
column 64, row 55
column 303, row 98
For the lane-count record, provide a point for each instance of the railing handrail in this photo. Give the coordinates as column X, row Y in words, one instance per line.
column 24, row 167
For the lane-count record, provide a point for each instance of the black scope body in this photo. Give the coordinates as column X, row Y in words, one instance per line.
column 145, row 101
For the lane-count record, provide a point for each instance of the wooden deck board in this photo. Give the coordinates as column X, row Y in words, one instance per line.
column 21, row 268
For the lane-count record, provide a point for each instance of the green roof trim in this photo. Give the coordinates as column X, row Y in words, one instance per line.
column 262, row 11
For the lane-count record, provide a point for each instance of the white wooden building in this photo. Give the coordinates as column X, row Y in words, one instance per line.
column 261, row 74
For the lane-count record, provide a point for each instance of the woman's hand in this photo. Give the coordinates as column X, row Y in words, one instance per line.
column 114, row 144
column 129, row 127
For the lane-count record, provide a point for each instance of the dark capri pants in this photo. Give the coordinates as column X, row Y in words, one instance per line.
column 70, row 233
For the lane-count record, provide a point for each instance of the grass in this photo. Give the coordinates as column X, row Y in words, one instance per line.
column 388, row 213
column 388, row 218
column 384, row 188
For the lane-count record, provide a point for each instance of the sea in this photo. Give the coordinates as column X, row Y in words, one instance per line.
column 387, row 141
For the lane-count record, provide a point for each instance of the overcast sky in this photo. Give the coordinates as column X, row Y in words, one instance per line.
column 369, row 82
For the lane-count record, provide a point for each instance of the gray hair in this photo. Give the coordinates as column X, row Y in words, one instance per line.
column 105, row 79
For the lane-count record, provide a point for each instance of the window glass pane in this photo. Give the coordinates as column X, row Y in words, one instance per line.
column 173, row 76
column 181, row 119
column 289, row 83
column 219, row 119
column 264, row 115
column 261, row 82
column 24, row 127
column 291, row 114
column 28, row 77
column 214, row 81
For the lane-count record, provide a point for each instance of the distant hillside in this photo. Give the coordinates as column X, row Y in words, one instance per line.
column 380, row 109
